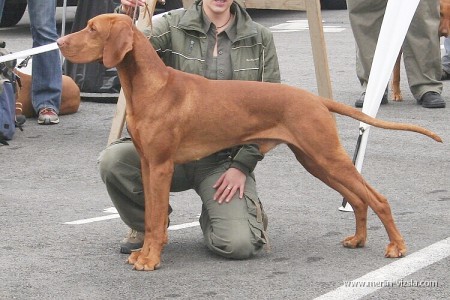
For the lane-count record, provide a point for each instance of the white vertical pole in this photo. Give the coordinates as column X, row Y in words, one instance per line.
column 396, row 21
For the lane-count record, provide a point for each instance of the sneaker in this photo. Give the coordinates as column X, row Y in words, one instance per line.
column 134, row 240
column 48, row 116
column 432, row 100
column 359, row 103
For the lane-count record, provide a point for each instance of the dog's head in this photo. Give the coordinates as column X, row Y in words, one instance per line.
column 444, row 26
column 106, row 38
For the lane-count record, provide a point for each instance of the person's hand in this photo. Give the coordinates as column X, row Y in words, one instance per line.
column 127, row 4
column 228, row 184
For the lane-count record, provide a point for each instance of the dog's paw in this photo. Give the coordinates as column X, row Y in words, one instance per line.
column 132, row 259
column 354, row 242
column 395, row 250
column 141, row 262
column 397, row 97
column 146, row 264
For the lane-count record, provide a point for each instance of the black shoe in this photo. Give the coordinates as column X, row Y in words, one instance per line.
column 432, row 100
column 360, row 101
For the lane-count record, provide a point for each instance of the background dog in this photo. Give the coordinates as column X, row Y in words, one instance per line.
column 444, row 29
column 70, row 97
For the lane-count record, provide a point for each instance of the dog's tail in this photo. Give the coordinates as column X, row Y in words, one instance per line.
column 351, row 112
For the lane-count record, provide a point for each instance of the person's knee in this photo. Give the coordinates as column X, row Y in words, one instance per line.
column 119, row 168
column 234, row 244
column 241, row 247
column 106, row 163
column 116, row 161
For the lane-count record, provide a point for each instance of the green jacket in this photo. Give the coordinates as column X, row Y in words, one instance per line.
column 180, row 40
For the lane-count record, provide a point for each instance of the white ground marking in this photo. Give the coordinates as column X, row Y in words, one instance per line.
column 112, row 211
column 302, row 25
column 392, row 274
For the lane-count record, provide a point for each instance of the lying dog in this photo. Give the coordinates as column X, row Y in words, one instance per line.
column 176, row 117
column 444, row 30
column 70, row 96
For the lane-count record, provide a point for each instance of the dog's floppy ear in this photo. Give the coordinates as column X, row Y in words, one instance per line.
column 118, row 43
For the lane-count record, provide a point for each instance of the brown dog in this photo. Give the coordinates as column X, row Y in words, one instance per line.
column 175, row 117
column 70, row 96
column 444, row 30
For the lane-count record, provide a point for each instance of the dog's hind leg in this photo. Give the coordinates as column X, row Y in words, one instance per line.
column 359, row 207
column 334, row 168
column 395, row 85
column 396, row 247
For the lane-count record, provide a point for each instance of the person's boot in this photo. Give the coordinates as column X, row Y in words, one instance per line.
column 134, row 240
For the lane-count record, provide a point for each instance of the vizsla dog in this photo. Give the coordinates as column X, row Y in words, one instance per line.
column 175, row 117
column 444, row 30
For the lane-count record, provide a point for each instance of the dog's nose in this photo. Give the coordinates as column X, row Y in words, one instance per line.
column 60, row 42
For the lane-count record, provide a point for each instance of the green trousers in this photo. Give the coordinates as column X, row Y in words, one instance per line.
column 233, row 230
column 421, row 47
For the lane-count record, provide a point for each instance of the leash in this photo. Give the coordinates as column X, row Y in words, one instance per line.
column 28, row 52
column 144, row 13
column 147, row 13
column 135, row 11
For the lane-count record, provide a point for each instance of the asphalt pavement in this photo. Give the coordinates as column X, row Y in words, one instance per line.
column 60, row 235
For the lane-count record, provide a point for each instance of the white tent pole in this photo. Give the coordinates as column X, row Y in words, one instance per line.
column 63, row 25
column 396, row 21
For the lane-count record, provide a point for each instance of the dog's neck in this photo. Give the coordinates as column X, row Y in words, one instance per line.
column 141, row 69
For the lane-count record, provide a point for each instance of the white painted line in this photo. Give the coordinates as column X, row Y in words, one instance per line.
column 183, row 226
column 301, row 25
column 91, row 220
column 114, row 215
column 283, row 31
column 111, row 210
column 392, row 274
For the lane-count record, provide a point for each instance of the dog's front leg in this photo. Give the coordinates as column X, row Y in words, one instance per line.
column 156, row 180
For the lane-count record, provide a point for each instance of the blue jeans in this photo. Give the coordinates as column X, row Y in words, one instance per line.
column 446, row 57
column 46, row 67
column 2, row 3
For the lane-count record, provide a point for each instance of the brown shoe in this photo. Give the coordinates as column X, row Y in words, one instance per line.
column 134, row 240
